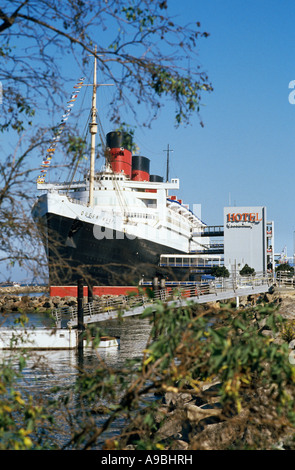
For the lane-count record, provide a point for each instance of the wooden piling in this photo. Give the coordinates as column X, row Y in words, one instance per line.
column 80, row 299
column 155, row 285
column 90, row 293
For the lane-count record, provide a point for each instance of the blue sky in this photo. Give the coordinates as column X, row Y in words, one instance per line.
column 244, row 155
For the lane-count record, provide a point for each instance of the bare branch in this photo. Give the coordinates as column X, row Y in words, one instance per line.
column 8, row 21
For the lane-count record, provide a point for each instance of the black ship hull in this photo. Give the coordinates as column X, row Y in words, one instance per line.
column 112, row 259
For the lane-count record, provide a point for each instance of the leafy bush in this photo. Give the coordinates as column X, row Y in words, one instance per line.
column 288, row 331
column 285, row 267
column 220, row 271
column 189, row 349
column 246, row 271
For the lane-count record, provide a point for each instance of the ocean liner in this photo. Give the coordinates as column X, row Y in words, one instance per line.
column 112, row 227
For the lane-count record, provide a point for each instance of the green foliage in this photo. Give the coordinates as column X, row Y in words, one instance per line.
column 188, row 347
column 246, row 271
column 288, row 331
column 20, row 416
column 76, row 147
column 146, row 55
column 185, row 92
column 128, row 136
column 19, row 112
column 284, row 267
column 220, row 271
column 137, row 14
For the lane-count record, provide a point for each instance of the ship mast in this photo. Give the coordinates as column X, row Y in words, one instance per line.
column 93, row 132
column 167, row 167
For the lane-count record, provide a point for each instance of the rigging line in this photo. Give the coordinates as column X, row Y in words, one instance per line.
column 84, row 132
column 78, row 161
column 101, row 133
column 84, row 137
column 56, row 137
column 83, row 99
column 121, row 199
column 70, row 178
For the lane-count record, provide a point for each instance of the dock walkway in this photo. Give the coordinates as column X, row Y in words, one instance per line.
column 175, row 294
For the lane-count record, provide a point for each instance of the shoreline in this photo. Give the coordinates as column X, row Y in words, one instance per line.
column 198, row 410
column 16, row 290
column 22, row 299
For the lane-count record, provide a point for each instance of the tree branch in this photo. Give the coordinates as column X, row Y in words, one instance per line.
column 9, row 20
column 56, row 30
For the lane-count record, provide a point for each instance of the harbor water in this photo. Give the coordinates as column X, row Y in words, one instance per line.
column 59, row 369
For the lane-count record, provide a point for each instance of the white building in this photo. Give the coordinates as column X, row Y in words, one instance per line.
column 248, row 239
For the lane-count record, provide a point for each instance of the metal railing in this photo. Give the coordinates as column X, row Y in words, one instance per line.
column 285, row 279
column 171, row 292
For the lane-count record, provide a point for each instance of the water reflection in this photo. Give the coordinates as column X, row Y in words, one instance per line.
column 48, row 369
column 35, row 319
column 133, row 334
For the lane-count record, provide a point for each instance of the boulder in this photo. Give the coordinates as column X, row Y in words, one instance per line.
column 221, row 435
column 196, row 413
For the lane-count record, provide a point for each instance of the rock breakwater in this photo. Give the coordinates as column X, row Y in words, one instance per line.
column 13, row 299
column 30, row 304
column 17, row 290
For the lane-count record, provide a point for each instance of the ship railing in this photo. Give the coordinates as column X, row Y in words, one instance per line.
column 77, row 201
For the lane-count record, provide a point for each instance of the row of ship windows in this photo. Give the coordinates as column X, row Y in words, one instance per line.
column 120, row 178
column 151, row 216
column 141, row 216
column 178, row 226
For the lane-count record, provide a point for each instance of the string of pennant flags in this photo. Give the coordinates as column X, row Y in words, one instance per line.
column 51, row 149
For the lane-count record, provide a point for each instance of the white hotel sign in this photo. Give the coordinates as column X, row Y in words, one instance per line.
column 245, row 237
